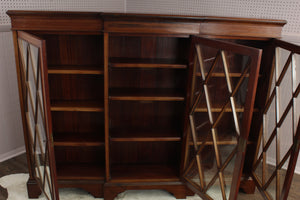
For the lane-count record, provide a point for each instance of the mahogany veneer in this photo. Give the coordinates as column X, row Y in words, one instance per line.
column 115, row 92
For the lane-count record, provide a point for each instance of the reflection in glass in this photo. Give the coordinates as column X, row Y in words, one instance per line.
column 219, row 90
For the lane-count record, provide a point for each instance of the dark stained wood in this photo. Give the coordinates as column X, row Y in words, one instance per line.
column 56, row 21
column 118, row 86
column 150, row 135
column 161, row 17
column 19, row 165
column 292, row 165
column 246, row 124
column 21, row 84
column 82, row 51
column 33, row 189
column 211, row 124
column 71, row 139
column 263, row 184
column 48, row 119
column 238, row 29
column 79, row 106
column 106, row 105
column 145, row 153
column 74, row 70
column 74, row 87
column 143, row 173
column 79, row 155
column 41, row 67
column 146, row 63
column 80, row 171
column 247, row 186
column 264, row 83
column 152, row 27
column 3, row 193
column 145, row 94
column 78, row 122
column 145, row 116
column 135, row 23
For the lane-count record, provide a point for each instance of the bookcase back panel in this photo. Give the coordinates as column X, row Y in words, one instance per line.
column 78, row 122
column 148, row 78
column 79, row 155
column 145, row 153
column 65, row 49
column 75, row 87
column 146, row 115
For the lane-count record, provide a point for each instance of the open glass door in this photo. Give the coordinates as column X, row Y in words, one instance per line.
column 224, row 81
column 278, row 144
column 33, row 64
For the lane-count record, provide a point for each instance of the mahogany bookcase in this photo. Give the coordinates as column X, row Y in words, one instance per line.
column 113, row 102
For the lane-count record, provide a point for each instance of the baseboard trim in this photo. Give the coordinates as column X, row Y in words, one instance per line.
column 272, row 161
column 5, row 28
column 293, row 38
column 11, row 154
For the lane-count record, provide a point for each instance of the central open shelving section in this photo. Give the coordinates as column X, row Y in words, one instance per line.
column 147, row 91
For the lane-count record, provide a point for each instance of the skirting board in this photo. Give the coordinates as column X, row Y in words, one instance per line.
column 293, row 38
column 11, row 154
column 272, row 161
column 5, row 28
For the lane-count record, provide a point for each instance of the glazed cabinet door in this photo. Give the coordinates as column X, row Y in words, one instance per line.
column 33, row 75
column 278, row 142
column 222, row 92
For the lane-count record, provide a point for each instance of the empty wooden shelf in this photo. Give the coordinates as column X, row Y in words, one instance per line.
column 147, row 63
column 74, row 69
column 77, row 105
column 123, row 135
column 144, row 173
column 78, row 139
column 80, row 171
column 146, row 94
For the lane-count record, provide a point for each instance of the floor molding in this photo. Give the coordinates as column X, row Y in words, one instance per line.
column 5, row 28
column 11, row 154
column 272, row 161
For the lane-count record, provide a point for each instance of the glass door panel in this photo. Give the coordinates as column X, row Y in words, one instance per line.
column 38, row 118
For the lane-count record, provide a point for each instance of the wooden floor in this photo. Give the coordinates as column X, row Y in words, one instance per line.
column 19, row 165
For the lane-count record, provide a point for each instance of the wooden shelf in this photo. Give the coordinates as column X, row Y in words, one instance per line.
column 77, row 105
column 78, row 139
column 221, row 74
column 80, row 171
column 74, row 69
column 146, row 94
column 223, row 139
column 121, row 135
column 224, row 142
column 210, row 143
column 219, row 109
column 146, row 63
column 144, row 173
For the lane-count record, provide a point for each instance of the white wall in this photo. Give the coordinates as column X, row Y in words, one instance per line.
column 11, row 136
column 274, row 9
